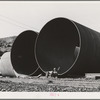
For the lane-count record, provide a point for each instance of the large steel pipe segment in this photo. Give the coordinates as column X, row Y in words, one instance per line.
column 68, row 46
column 6, row 67
column 22, row 53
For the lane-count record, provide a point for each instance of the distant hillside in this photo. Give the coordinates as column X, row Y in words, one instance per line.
column 6, row 44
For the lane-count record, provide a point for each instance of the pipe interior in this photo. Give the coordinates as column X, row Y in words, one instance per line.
column 22, row 53
column 57, row 45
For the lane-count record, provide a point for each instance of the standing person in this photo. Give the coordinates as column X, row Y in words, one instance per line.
column 55, row 72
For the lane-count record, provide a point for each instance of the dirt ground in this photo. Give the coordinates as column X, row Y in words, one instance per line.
column 44, row 84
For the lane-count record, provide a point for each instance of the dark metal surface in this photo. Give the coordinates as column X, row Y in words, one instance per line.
column 22, row 53
column 56, row 46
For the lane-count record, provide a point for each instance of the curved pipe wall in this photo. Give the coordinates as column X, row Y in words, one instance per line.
column 6, row 67
column 22, row 53
column 22, row 58
column 69, row 45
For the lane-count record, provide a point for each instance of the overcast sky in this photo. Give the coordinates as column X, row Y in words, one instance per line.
column 17, row 16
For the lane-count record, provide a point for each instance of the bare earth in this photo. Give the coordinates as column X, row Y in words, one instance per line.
column 43, row 84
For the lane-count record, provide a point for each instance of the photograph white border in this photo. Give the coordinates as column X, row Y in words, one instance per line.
column 50, row 95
